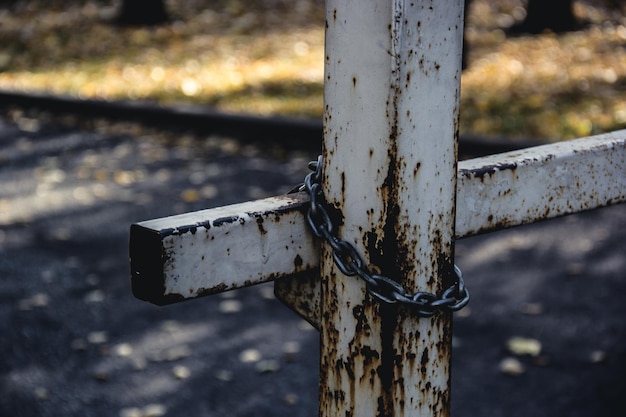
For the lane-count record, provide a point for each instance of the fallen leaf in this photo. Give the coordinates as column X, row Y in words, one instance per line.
column 532, row 309
column 524, row 346
column 154, row 410
column 34, row 301
column 181, row 372
column 95, row 296
column 598, row 356
column 123, row 350
column 224, row 375
column 172, row 354
column 511, row 366
column 41, row 393
column 267, row 366
column 230, row 306
column 190, row 195
column 250, row 356
column 291, row 398
column 97, row 338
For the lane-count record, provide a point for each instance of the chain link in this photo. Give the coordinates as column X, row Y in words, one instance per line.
column 351, row 263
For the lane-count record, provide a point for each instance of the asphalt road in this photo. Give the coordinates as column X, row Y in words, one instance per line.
column 76, row 343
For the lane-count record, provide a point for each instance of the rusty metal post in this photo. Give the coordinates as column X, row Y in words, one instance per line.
column 392, row 75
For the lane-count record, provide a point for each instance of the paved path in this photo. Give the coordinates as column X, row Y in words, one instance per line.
column 76, row 343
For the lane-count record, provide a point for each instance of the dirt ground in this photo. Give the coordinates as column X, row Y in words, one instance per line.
column 76, row 343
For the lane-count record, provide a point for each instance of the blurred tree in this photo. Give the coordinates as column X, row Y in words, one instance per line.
column 542, row 15
column 142, row 12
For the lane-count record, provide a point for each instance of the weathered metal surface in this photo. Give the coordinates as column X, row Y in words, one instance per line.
column 391, row 109
column 494, row 192
column 543, row 182
column 392, row 76
column 301, row 293
column 209, row 251
column 515, row 188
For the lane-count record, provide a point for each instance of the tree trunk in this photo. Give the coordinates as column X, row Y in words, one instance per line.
column 142, row 12
column 542, row 15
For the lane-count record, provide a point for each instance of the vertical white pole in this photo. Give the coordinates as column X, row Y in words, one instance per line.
column 392, row 83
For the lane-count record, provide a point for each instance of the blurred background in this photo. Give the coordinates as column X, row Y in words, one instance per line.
column 544, row 334
column 549, row 69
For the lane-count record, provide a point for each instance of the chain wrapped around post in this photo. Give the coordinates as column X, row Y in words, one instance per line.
column 351, row 263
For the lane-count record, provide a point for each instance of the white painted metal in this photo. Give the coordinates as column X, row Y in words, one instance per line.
column 210, row 251
column 392, row 94
column 391, row 100
column 512, row 189
column 497, row 191
column 540, row 183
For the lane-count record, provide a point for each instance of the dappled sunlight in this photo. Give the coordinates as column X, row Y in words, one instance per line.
column 54, row 186
column 78, row 339
column 32, row 379
column 166, row 342
column 205, row 58
column 267, row 58
column 563, row 86
column 207, row 78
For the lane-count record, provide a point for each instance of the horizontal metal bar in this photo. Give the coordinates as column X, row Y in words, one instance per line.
column 547, row 176
column 542, row 182
column 209, row 251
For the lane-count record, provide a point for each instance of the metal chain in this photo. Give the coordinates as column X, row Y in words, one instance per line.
column 351, row 263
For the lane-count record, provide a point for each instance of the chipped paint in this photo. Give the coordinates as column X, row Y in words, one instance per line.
column 390, row 170
column 301, row 292
column 540, row 183
column 250, row 243
column 391, row 106
column 494, row 192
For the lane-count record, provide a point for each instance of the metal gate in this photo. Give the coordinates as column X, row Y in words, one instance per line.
column 389, row 199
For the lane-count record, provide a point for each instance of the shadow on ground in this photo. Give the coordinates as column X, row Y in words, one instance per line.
column 76, row 343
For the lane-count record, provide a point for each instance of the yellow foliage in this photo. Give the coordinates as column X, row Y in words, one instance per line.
column 267, row 57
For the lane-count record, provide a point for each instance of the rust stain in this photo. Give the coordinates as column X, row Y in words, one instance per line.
column 259, row 222
column 488, row 170
column 375, row 354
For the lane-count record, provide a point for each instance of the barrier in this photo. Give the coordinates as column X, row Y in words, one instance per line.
column 392, row 199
